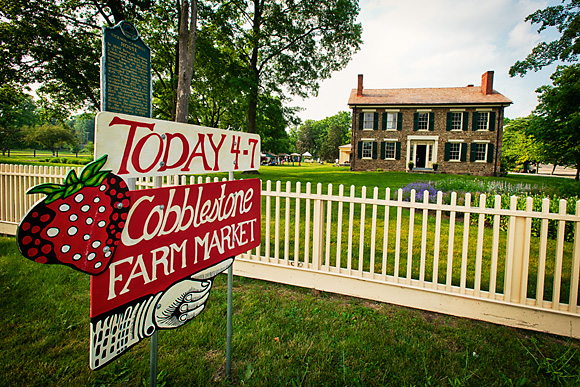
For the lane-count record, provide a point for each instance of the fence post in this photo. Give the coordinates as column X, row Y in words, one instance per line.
column 515, row 254
column 317, row 229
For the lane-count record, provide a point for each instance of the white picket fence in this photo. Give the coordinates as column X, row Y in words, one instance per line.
column 437, row 257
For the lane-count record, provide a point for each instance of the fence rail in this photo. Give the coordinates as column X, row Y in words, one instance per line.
column 449, row 258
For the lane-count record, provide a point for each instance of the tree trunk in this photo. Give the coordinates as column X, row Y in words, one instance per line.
column 255, row 82
column 553, row 169
column 187, row 42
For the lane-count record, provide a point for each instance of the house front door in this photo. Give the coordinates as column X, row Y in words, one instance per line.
column 421, row 156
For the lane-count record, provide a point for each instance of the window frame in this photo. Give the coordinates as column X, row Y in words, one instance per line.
column 481, row 127
column 453, row 121
column 363, row 150
column 388, row 144
column 451, row 151
column 393, row 121
column 478, row 152
column 419, row 122
column 366, row 120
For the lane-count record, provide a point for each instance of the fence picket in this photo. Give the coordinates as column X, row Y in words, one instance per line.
column 436, row 245
column 409, row 273
column 479, row 248
column 297, row 225
column 277, row 222
column 465, row 248
column 267, row 226
column 374, row 231
column 574, row 276
column 307, row 226
column 494, row 249
column 542, row 254
column 559, row 258
column 361, row 245
column 287, row 223
column 398, row 234
column 328, row 228
column 339, row 228
column 424, row 239
column 526, row 260
column 350, row 232
column 450, row 243
column 386, row 233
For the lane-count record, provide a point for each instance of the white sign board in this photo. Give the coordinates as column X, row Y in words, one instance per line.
column 138, row 146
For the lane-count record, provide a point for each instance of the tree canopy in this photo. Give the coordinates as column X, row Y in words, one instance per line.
column 17, row 109
column 322, row 138
column 558, row 115
column 519, row 147
column 250, row 55
column 566, row 19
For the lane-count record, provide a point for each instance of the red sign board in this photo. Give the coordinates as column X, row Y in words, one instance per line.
column 172, row 233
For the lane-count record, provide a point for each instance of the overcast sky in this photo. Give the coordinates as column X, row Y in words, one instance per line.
column 439, row 43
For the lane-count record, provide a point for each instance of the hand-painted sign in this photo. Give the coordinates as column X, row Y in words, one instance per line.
column 174, row 241
column 140, row 146
column 152, row 253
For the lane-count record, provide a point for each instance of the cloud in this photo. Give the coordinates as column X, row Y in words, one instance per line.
column 437, row 43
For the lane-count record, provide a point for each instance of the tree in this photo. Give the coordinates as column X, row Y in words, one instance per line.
column 17, row 109
column 322, row 138
column 558, row 115
column 566, row 18
column 51, row 136
column 519, row 147
column 58, row 45
column 289, row 46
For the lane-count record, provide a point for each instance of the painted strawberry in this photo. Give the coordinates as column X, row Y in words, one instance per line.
column 78, row 223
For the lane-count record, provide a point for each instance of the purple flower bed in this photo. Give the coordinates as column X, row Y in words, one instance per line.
column 420, row 188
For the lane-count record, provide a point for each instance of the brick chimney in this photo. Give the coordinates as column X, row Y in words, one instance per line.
column 359, row 89
column 487, row 83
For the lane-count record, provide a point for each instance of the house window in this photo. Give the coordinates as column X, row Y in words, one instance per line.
column 391, row 121
column 367, row 149
column 455, row 151
column 483, row 121
column 457, row 121
column 480, row 152
column 423, row 121
column 369, row 119
column 390, row 150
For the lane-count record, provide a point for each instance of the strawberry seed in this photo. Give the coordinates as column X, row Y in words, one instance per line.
column 52, row 232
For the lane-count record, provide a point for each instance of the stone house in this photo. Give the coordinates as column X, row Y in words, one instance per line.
column 451, row 129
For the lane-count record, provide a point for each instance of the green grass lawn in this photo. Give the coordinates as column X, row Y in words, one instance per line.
column 283, row 335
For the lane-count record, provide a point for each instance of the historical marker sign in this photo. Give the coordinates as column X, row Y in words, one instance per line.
column 125, row 71
column 146, row 147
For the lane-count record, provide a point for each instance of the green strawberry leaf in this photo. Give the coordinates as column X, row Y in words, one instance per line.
column 97, row 179
column 71, row 178
column 72, row 189
column 92, row 169
column 53, row 197
column 46, row 188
